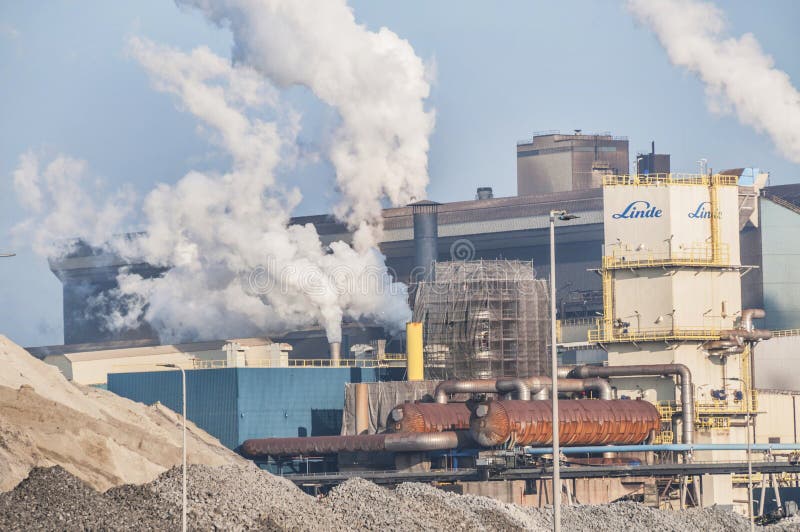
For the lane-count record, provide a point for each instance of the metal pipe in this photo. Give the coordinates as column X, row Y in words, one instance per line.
column 749, row 314
column 422, row 441
column 563, row 371
column 449, row 387
column 336, row 352
column 674, row 447
column 390, row 442
column 415, row 363
column 680, row 370
column 520, row 386
column 537, row 387
column 542, row 386
column 362, row 408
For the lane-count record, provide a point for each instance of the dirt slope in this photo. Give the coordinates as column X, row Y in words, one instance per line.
column 97, row 436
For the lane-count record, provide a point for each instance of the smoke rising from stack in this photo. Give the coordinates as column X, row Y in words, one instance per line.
column 738, row 75
column 234, row 266
column 374, row 80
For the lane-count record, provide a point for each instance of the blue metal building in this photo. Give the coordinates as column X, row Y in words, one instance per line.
column 235, row 404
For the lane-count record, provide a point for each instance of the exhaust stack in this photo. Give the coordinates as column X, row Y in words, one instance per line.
column 426, row 240
column 336, row 353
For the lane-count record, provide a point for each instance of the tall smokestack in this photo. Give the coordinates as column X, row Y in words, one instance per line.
column 426, row 239
column 336, row 348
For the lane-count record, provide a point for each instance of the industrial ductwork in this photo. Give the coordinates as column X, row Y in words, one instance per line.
column 426, row 240
column 732, row 341
column 580, row 422
column 522, row 388
column 446, row 388
column 680, row 370
column 389, row 442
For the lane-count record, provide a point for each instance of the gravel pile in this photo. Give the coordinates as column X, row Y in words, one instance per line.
column 481, row 513
column 53, row 499
column 633, row 516
column 241, row 497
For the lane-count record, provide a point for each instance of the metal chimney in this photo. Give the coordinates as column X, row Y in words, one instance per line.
column 426, row 239
column 336, row 348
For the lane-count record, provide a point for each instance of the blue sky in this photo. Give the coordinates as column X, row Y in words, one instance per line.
column 501, row 73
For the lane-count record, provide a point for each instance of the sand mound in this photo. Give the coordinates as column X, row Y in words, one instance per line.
column 97, row 436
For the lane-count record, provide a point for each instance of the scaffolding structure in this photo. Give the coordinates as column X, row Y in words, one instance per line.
column 484, row 319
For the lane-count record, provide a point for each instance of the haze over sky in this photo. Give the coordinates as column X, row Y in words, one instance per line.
column 67, row 86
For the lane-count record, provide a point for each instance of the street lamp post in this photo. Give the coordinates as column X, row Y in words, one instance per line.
column 564, row 216
column 183, row 391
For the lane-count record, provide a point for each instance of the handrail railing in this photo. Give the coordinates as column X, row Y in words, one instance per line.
column 302, row 363
column 696, row 255
column 603, row 335
column 656, row 180
column 786, row 332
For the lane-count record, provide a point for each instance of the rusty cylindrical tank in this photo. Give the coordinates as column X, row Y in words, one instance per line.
column 428, row 417
column 586, row 422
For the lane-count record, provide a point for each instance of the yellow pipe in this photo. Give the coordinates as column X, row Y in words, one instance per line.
column 713, row 206
column 414, row 361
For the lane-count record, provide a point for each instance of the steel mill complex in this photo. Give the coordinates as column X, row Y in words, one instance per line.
column 677, row 325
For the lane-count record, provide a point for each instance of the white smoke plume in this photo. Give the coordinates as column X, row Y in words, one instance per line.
column 55, row 195
column 233, row 265
column 373, row 79
column 739, row 76
column 236, row 267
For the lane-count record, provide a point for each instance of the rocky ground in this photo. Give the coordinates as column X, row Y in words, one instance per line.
column 241, row 497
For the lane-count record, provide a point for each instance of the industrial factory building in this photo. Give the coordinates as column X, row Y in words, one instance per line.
column 553, row 162
column 678, row 316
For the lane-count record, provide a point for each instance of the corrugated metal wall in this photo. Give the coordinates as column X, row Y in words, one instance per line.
column 781, row 265
column 210, row 397
column 239, row 403
column 285, row 402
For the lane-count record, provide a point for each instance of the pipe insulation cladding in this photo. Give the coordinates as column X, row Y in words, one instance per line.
column 614, row 422
column 429, row 417
column 679, row 370
column 389, row 442
column 526, row 388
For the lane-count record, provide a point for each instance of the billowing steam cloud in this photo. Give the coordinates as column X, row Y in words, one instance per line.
column 233, row 265
column 373, row 79
column 61, row 209
column 738, row 75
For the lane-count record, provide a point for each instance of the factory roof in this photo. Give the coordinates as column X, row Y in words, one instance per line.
column 785, row 195
column 458, row 212
column 122, row 348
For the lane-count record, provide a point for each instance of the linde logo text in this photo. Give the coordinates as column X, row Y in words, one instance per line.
column 703, row 212
column 638, row 209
